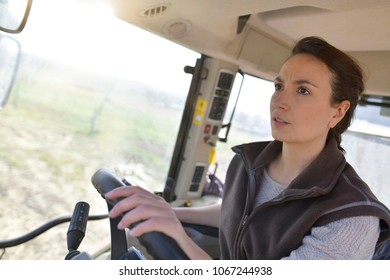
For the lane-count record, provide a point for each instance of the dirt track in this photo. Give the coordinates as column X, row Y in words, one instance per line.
column 33, row 195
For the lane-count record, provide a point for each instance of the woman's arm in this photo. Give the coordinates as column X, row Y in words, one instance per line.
column 204, row 215
column 350, row 238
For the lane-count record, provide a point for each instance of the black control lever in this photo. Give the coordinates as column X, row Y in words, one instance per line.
column 77, row 228
column 158, row 245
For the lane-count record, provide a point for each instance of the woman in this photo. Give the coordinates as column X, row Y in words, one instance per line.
column 297, row 197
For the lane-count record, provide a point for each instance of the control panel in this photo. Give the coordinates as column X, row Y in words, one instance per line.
column 221, row 95
column 209, row 112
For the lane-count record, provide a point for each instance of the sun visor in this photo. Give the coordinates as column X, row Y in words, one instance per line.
column 264, row 52
column 377, row 73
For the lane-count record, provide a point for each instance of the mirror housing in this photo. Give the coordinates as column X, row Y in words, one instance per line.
column 14, row 14
column 9, row 64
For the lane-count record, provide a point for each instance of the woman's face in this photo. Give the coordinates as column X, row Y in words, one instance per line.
column 301, row 110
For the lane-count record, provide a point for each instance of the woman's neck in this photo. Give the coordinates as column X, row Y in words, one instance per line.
column 293, row 159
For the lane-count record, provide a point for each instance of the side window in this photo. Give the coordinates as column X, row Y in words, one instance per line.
column 367, row 145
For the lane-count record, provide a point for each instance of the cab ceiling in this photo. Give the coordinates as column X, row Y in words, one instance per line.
column 212, row 27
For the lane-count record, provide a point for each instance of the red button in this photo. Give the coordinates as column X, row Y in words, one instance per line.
column 207, row 129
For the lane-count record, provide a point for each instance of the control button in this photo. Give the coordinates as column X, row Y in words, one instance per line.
column 207, row 129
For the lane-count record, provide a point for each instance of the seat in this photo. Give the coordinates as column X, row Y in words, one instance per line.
column 383, row 253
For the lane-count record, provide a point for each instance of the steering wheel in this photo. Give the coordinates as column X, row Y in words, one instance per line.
column 158, row 245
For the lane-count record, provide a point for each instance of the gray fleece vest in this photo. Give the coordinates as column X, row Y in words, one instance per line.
column 327, row 190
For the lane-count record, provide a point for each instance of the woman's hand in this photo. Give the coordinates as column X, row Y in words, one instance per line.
column 149, row 212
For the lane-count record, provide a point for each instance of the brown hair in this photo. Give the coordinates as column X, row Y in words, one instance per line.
column 347, row 82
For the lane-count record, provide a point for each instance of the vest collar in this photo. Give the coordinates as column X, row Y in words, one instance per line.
column 321, row 174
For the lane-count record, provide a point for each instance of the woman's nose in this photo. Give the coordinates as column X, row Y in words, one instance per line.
column 281, row 99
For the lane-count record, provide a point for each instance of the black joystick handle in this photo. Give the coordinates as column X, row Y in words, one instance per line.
column 77, row 228
column 158, row 245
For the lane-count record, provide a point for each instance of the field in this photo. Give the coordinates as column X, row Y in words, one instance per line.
column 56, row 133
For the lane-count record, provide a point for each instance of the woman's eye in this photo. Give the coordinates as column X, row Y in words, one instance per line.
column 303, row 91
column 278, row 87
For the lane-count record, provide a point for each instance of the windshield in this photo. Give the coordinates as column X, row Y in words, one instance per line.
column 89, row 93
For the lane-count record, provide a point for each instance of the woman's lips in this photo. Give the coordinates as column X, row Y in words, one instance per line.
column 279, row 122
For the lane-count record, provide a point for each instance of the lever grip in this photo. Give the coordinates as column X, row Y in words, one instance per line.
column 78, row 225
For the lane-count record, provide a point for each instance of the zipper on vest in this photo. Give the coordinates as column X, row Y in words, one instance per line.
column 248, row 208
column 244, row 220
column 237, row 241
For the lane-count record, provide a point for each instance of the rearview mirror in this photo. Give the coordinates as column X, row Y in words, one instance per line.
column 14, row 14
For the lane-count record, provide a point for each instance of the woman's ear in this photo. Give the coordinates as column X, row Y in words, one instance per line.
column 340, row 111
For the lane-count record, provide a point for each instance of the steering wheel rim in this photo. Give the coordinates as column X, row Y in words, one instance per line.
column 158, row 245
